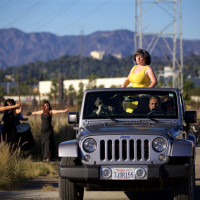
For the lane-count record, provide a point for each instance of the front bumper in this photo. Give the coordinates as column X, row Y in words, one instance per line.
column 83, row 173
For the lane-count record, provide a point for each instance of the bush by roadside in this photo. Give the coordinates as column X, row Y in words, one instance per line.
column 14, row 169
column 17, row 166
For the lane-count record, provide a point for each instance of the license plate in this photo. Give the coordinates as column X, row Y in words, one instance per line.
column 123, row 173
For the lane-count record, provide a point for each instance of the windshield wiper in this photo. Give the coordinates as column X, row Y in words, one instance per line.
column 102, row 117
column 146, row 116
column 117, row 121
column 153, row 119
column 112, row 118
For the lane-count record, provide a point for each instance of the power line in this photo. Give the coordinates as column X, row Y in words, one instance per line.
column 57, row 13
column 84, row 16
column 22, row 15
column 176, row 15
column 7, row 4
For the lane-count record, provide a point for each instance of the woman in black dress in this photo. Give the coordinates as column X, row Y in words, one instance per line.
column 47, row 135
column 4, row 108
column 9, row 133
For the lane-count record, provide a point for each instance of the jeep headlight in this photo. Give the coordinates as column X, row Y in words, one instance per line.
column 159, row 144
column 89, row 145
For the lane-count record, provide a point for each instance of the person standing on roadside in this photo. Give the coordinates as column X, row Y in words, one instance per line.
column 4, row 108
column 47, row 135
column 9, row 133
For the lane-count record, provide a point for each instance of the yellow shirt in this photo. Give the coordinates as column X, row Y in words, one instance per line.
column 139, row 79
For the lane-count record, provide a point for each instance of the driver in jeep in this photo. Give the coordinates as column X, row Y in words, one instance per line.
column 155, row 104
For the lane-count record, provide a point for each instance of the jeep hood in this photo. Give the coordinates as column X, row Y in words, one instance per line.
column 132, row 129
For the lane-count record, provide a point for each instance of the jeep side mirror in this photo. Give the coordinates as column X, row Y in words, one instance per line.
column 190, row 116
column 73, row 117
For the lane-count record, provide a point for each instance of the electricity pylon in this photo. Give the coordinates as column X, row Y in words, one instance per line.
column 169, row 17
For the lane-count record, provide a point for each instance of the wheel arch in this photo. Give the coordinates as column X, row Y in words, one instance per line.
column 182, row 148
column 68, row 149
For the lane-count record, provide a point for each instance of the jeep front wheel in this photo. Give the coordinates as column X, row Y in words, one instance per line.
column 185, row 190
column 69, row 190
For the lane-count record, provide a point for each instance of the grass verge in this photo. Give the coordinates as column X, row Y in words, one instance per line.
column 17, row 166
column 14, row 169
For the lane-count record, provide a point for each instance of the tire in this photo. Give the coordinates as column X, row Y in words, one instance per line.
column 197, row 140
column 69, row 190
column 185, row 190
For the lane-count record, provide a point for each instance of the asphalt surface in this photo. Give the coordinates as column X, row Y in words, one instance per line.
column 33, row 190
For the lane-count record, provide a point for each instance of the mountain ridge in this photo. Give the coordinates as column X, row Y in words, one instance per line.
column 18, row 48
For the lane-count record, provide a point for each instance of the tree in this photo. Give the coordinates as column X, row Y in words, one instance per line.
column 188, row 86
column 54, row 90
column 80, row 94
column 71, row 96
column 18, row 85
column 2, row 75
column 60, row 89
column 196, row 71
column 196, row 91
column 92, row 82
column 161, row 82
column 2, row 93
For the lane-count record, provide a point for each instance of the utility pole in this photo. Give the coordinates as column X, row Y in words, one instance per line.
column 60, row 89
column 18, row 87
column 170, row 33
column 81, row 71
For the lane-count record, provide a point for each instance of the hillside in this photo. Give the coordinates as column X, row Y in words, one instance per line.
column 17, row 47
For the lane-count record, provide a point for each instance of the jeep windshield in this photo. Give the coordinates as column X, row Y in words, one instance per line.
column 130, row 104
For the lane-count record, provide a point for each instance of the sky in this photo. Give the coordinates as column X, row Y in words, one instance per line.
column 75, row 17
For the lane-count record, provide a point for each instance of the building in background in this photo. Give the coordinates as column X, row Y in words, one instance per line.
column 117, row 55
column 168, row 72
column 45, row 86
column 166, row 75
column 99, row 55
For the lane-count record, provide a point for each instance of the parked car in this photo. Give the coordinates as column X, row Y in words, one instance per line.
column 129, row 139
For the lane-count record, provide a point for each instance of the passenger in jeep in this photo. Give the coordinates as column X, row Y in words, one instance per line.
column 168, row 105
column 143, row 106
column 116, row 106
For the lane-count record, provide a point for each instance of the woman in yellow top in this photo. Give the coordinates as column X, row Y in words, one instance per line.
column 141, row 75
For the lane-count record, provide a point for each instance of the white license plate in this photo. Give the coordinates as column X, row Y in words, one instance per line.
column 123, row 173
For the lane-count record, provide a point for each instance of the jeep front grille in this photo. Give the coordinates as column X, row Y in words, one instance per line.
column 124, row 150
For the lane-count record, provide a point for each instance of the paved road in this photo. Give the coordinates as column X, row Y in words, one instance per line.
column 33, row 190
